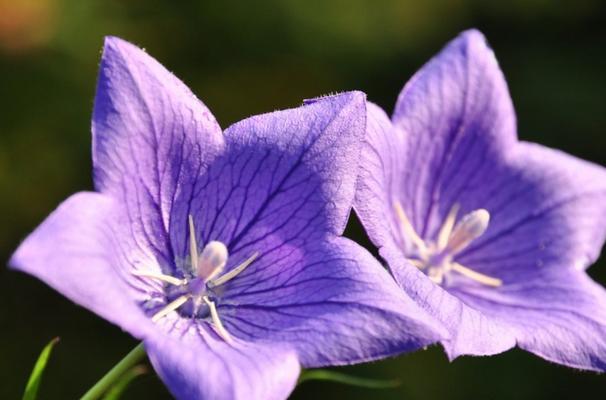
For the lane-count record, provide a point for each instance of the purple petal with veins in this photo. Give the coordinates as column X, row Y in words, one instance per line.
column 222, row 250
column 492, row 236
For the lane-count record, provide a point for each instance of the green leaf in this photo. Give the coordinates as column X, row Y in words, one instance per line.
column 338, row 377
column 31, row 390
column 116, row 391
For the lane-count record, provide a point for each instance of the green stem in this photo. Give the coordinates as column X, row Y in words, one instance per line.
column 115, row 373
column 338, row 377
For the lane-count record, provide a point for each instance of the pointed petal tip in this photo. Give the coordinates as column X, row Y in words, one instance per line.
column 20, row 259
column 472, row 40
column 116, row 47
column 111, row 40
column 14, row 262
column 114, row 42
column 472, row 34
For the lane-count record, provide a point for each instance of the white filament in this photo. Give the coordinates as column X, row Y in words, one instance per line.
column 160, row 277
column 217, row 324
column 476, row 276
column 408, row 230
column 234, row 272
column 447, row 227
column 172, row 306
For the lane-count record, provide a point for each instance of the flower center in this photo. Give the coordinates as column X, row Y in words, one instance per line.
column 437, row 258
column 196, row 293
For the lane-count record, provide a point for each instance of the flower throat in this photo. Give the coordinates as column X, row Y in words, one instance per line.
column 207, row 271
column 436, row 259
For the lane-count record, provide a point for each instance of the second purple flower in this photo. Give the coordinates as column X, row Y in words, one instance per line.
column 490, row 235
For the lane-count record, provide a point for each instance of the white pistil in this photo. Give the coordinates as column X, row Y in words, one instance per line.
column 471, row 227
column 451, row 240
column 170, row 307
column 212, row 260
column 161, row 277
column 234, row 272
column 217, row 324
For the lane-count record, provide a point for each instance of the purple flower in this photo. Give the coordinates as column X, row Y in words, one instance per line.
column 489, row 234
column 222, row 251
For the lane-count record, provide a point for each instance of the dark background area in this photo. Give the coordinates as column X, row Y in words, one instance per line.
column 244, row 58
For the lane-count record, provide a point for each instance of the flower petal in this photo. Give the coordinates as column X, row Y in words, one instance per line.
column 457, row 116
column 380, row 175
column 548, row 210
column 196, row 364
column 557, row 314
column 152, row 138
column 74, row 251
column 331, row 301
column 311, row 148
column 288, row 175
column 470, row 330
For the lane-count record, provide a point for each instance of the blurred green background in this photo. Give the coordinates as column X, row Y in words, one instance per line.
column 243, row 58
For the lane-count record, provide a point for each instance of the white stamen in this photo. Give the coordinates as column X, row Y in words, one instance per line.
column 212, row 260
column 408, row 230
column 234, row 272
column 193, row 246
column 471, row 226
column 172, row 306
column 417, row 263
column 446, row 229
column 436, row 275
column 476, row 276
column 451, row 240
column 214, row 315
column 161, row 277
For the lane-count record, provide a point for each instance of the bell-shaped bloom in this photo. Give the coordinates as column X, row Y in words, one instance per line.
column 489, row 234
column 222, row 251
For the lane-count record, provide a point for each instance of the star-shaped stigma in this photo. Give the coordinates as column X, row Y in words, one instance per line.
column 437, row 258
column 197, row 288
